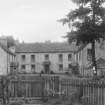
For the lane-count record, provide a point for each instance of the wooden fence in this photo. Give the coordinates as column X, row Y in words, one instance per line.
column 91, row 92
column 34, row 87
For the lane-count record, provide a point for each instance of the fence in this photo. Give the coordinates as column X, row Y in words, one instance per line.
column 33, row 87
column 90, row 91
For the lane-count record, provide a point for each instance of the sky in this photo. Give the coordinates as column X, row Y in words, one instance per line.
column 34, row 20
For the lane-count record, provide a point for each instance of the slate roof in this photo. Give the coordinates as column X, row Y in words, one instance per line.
column 6, row 49
column 45, row 48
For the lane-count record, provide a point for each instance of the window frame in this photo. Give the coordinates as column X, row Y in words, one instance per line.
column 33, row 65
column 89, row 54
column 69, row 57
column 69, row 66
column 60, row 57
column 23, row 57
column 23, row 67
column 33, row 58
column 60, row 67
column 46, row 56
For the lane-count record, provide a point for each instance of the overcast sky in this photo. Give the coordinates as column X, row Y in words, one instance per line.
column 33, row 20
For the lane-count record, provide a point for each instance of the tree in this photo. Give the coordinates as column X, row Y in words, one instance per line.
column 10, row 41
column 88, row 24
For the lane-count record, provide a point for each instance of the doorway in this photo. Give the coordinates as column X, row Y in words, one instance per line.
column 47, row 68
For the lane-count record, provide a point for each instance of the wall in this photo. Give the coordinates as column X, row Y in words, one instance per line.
column 4, row 58
column 84, row 63
column 10, row 58
column 39, row 59
column 3, row 62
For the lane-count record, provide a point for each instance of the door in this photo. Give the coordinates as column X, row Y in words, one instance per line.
column 46, row 68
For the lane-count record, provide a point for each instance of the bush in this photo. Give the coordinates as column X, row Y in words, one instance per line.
column 42, row 72
column 67, row 73
column 51, row 72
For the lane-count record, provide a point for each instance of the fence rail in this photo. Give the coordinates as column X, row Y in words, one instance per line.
column 90, row 91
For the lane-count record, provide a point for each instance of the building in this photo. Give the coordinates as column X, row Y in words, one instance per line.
column 6, row 58
column 45, row 57
column 85, row 61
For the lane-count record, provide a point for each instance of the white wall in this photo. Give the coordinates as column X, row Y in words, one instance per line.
column 39, row 59
column 4, row 58
column 3, row 62
column 83, row 62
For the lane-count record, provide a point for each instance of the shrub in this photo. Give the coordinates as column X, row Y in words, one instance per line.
column 42, row 72
column 51, row 72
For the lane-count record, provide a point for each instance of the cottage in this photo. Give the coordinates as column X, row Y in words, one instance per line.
column 45, row 57
column 6, row 57
column 84, row 59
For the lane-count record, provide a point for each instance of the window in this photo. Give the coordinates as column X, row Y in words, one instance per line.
column 32, row 58
column 89, row 54
column 23, row 57
column 69, row 57
column 46, row 57
column 60, row 57
column 60, row 67
column 23, row 67
column 77, row 57
column 33, row 68
column 69, row 66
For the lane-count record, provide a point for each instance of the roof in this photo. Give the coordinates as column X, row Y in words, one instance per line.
column 45, row 47
column 80, row 48
column 6, row 49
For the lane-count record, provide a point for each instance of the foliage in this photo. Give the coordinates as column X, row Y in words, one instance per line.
column 87, row 22
column 51, row 72
column 10, row 41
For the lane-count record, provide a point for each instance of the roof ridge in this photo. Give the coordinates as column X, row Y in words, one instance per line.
column 45, row 47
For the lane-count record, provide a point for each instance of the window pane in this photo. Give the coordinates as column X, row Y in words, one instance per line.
column 23, row 57
column 69, row 66
column 23, row 67
column 89, row 54
column 69, row 57
column 32, row 58
column 46, row 57
column 60, row 67
column 33, row 68
column 60, row 57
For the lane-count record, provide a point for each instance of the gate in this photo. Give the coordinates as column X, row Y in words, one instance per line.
column 26, row 87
